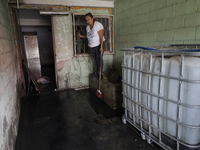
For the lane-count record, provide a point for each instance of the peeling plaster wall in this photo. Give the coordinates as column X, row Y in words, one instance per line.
column 9, row 104
column 73, row 72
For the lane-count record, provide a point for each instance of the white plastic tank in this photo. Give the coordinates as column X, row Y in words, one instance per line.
column 144, row 86
column 135, row 83
column 127, row 79
column 171, row 105
column 189, row 94
column 156, row 88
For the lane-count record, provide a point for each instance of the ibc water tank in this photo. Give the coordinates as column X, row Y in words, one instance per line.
column 127, row 79
column 161, row 95
column 189, row 95
column 157, row 88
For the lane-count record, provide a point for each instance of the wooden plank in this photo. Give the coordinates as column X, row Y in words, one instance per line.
column 37, row 87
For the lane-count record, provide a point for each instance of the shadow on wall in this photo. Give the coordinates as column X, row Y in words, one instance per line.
column 118, row 65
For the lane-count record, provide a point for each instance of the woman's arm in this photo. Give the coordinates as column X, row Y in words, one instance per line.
column 82, row 36
column 101, row 32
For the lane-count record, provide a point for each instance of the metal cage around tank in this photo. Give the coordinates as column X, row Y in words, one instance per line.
column 161, row 90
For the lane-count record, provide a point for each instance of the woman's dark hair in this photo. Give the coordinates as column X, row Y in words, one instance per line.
column 89, row 14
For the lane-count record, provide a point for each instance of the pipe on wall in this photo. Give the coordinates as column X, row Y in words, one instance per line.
column 17, row 4
column 42, row 12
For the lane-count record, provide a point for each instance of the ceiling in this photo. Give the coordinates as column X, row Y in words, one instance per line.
column 88, row 3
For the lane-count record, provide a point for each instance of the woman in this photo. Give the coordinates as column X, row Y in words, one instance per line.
column 95, row 36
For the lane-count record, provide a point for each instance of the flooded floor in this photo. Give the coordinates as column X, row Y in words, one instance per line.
column 74, row 120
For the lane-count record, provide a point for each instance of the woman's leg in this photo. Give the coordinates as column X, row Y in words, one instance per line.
column 97, row 52
column 102, row 57
column 94, row 51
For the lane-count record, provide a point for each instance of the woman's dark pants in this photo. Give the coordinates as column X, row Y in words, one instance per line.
column 95, row 51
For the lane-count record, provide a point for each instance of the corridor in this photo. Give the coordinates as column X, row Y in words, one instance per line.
column 74, row 120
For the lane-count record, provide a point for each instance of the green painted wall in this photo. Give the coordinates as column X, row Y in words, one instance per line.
column 155, row 22
column 9, row 101
column 73, row 72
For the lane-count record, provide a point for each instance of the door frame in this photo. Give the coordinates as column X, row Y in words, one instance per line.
column 18, row 44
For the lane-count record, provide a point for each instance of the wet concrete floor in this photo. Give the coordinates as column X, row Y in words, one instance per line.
column 74, row 120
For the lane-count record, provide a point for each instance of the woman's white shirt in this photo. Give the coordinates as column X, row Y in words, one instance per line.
column 92, row 35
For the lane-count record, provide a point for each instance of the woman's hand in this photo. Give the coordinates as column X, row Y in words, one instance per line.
column 82, row 36
column 101, row 50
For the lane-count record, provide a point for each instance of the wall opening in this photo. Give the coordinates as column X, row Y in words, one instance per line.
column 32, row 53
column 36, row 34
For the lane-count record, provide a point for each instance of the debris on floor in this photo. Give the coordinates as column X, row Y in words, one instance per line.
column 43, row 80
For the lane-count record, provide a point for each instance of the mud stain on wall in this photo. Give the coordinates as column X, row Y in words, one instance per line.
column 60, row 65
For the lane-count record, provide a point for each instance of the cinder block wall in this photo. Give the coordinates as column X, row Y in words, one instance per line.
column 9, row 104
column 155, row 22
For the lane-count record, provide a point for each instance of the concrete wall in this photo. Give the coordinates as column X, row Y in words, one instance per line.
column 73, row 72
column 155, row 22
column 9, row 104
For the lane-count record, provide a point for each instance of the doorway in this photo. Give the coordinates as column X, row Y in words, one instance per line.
column 37, row 46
